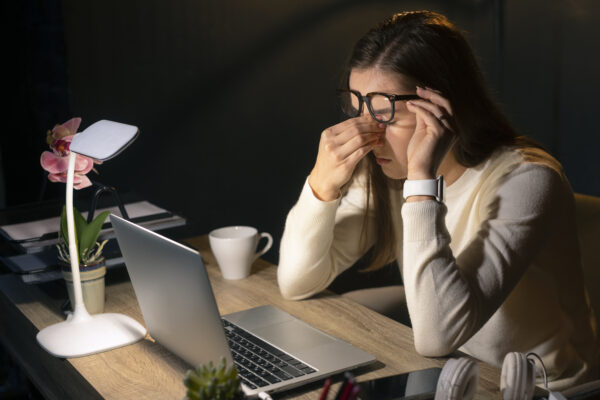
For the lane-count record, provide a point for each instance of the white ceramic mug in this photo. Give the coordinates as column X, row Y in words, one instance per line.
column 234, row 247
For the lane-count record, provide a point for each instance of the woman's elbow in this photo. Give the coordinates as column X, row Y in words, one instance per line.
column 288, row 292
column 434, row 345
column 439, row 337
column 289, row 288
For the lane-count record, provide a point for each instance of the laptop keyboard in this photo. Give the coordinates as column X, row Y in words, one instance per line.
column 258, row 363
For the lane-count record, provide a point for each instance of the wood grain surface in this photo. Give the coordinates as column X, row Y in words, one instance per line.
column 146, row 370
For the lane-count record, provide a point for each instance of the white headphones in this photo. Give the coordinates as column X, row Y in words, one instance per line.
column 458, row 379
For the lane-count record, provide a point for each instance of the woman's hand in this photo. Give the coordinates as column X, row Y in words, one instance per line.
column 341, row 147
column 434, row 134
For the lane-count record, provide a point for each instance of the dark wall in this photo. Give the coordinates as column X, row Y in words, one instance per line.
column 231, row 96
column 550, row 82
column 34, row 93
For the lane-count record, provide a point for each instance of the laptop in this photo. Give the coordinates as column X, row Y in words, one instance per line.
column 271, row 349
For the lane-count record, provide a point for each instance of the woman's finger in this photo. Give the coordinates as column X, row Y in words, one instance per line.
column 364, row 123
column 428, row 117
column 353, row 159
column 434, row 109
column 433, row 90
column 436, row 98
column 352, row 132
column 437, row 111
column 358, row 141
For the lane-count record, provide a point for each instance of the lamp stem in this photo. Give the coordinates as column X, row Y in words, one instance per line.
column 79, row 310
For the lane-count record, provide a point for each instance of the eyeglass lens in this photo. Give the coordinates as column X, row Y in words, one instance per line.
column 380, row 106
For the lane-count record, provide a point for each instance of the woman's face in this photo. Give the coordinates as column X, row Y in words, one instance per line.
column 392, row 155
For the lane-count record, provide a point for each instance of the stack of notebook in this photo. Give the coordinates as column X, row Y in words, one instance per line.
column 35, row 241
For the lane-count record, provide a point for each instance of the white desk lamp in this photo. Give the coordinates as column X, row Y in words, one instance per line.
column 84, row 334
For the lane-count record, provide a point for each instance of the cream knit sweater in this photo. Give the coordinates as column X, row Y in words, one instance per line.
column 493, row 269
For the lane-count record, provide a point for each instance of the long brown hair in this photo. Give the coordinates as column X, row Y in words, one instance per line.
column 430, row 51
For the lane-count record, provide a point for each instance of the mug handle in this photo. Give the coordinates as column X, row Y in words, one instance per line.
column 267, row 246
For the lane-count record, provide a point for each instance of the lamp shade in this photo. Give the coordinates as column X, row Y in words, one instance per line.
column 104, row 139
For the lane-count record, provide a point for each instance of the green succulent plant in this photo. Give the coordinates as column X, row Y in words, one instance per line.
column 208, row 382
column 86, row 236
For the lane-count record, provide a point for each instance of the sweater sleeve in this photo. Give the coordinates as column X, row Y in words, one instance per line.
column 450, row 296
column 320, row 240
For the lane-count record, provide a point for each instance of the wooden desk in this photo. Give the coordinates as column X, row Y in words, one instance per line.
column 146, row 370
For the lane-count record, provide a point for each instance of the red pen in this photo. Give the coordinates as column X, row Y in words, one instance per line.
column 325, row 389
column 347, row 389
column 354, row 392
column 347, row 379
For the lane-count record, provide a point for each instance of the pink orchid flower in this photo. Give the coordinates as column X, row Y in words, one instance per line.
column 56, row 162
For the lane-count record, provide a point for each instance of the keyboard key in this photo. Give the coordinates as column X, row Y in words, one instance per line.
column 258, row 381
column 298, row 364
column 264, row 374
column 292, row 371
column 272, row 379
column 248, row 383
column 282, row 375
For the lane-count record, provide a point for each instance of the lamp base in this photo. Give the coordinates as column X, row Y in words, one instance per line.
column 81, row 337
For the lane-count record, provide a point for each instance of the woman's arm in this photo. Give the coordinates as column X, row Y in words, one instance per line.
column 450, row 296
column 321, row 240
column 322, row 233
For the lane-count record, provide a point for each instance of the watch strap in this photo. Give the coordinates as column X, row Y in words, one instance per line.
column 424, row 187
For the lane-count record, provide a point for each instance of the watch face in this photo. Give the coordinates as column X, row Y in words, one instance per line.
column 425, row 187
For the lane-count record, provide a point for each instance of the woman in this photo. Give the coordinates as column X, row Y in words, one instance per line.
column 492, row 267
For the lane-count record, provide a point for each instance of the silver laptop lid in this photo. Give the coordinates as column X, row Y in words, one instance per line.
column 171, row 284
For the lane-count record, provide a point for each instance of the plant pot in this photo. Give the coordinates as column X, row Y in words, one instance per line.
column 92, row 285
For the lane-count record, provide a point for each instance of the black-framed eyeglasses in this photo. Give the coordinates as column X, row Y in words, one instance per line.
column 380, row 105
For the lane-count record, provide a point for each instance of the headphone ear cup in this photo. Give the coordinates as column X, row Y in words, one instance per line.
column 458, row 380
column 517, row 381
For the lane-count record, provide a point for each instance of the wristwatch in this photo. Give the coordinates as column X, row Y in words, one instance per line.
column 425, row 187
